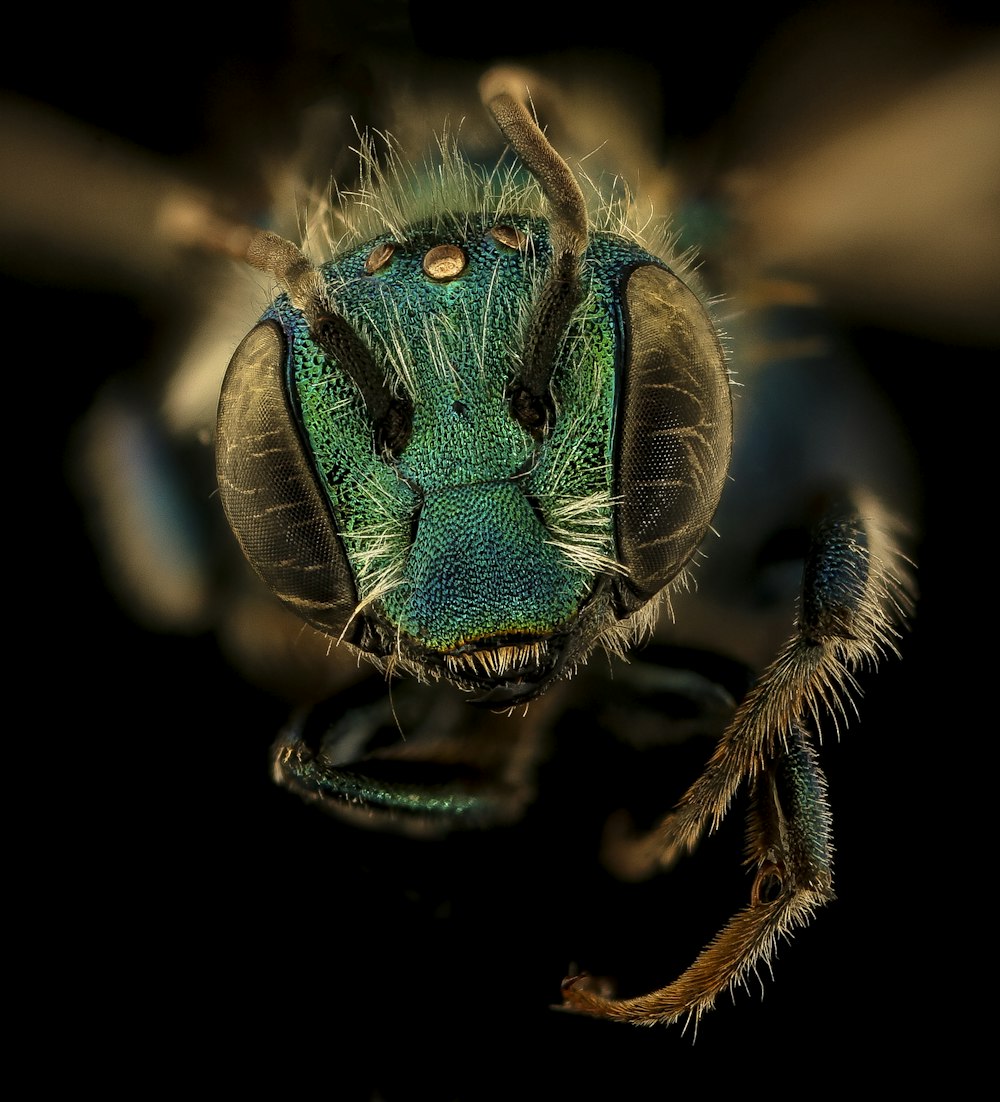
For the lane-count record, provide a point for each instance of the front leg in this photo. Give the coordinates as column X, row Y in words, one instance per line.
column 856, row 593
column 409, row 761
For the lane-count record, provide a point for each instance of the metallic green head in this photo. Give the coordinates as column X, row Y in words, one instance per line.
column 482, row 440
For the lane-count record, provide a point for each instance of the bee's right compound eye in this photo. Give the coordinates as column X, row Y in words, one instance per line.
column 269, row 490
column 674, row 432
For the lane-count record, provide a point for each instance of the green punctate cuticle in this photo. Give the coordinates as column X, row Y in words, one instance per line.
column 463, row 536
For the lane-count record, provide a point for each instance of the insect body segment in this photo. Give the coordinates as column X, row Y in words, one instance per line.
column 484, row 439
column 464, row 504
column 510, row 438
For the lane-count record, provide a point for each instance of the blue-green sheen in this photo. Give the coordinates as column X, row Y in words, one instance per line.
column 483, row 560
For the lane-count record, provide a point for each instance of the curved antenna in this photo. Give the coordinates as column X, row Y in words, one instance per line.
column 302, row 280
column 505, row 95
column 390, row 416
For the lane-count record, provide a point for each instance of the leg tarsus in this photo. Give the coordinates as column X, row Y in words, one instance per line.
column 789, row 842
column 856, row 595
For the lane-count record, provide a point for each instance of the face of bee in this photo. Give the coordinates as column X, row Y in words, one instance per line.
column 152, row 309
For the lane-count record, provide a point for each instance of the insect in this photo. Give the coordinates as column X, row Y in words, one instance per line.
column 489, row 437
column 589, row 688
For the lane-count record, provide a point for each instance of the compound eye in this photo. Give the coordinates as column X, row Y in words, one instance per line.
column 674, row 432
column 269, row 490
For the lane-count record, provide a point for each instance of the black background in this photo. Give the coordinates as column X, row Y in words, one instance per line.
column 196, row 921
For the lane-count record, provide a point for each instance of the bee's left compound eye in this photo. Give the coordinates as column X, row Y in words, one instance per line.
column 269, row 490
column 674, row 433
